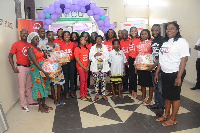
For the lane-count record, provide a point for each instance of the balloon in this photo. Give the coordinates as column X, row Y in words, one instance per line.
column 87, row 2
column 83, row 10
column 90, row 12
column 58, row 11
column 45, row 10
column 46, row 27
column 100, row 23
column 92, row 6
column 107, row 18
column 96, row 17
column 67, row 11
column 57, row 4
column 105, row 30
column 59, row 15
column 107, row 24
column 47, row 16
column 62, row 1
column 102, row 12
column 62, row 6
column 39, row 19
column 81, row 3
column 68, row 5
column 72, row 8
column 51, row 10
column 102, row 17
column 52, row 5
column 112, row 26
column 96, row 10
column 41, row 15
column 54, row 17
column 77, row 8
column 87, row 7
column 101, row 27
column 48, row 21
column 74, row 1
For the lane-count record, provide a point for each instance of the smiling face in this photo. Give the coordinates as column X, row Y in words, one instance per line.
column 110, row 34
column 98, row 40
column 116, row 45
column 171, row 31
column 82, row 41
column 41, row 33
column 120, row 34
column 86, row 36
column 124, row 34
column 134, row 32
column 66, row 37
column 60, row 33
column 35, row 41
column 93, row 35
column 144, row 35
column 74, row 37
column 23, row 34
column 50, row 36
column 155, row 31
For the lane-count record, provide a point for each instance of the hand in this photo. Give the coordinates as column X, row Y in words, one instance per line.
column 136, row 71
column 100, row 60
column 86, row 69
column 156, row 78
column 98, row 54
column 150, row 68
column 15, row 70
column 177, row 81
column 47, row 75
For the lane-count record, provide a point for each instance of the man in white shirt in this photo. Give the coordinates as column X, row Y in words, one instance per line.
column 42, row 40
column 197, row 47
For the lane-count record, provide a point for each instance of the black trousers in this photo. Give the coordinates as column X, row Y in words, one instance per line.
column 198, row 73
column 125, row 79
column 132, row 75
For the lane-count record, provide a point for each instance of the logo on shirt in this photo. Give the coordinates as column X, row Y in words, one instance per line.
column 109, row 47
column 155, row 49
column 24, row 50
column 164, row 50
column 36, row 27
column 68, row 51
column 125, row 50
column 85, row 57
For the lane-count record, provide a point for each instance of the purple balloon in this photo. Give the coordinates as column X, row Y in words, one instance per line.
column 51, row 10
column 102, row 12
column 81, row 3
column 92, row 6
column 68, row 5
column 54, row 17
column 67, row 11
column 57, row 4
column 90, row 13
column 96, row 17
column 107, row 24
column 100, row 23
column 62, row 1
column 58, row 11
column 45, row 10
column 41, row 15
column 112, row 26
column 59, row 15
column 48, row 21
column 83, row 10
column 96, row 10
column 101, row 27
column 105, row 30
column 107, row 19
column 74, row 1
column 46, row 27
column 77, row 8
column 52, row 5
column 87, row 2
column 39, row 19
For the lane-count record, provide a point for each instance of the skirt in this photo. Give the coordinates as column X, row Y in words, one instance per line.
column 116, row 79
column 144, row 78
column 169, row 91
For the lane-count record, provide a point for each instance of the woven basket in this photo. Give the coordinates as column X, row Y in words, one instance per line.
column 142, row 66
column 52, row 74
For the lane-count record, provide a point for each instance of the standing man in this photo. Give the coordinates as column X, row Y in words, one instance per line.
column 156, row 45
column 42, row 40
column 197, row 47
column 124, row 46
column 22, row 70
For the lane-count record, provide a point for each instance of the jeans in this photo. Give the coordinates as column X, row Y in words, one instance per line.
column 125, row 79
column 158, row 90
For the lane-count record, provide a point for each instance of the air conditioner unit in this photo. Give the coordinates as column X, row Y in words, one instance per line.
column 3, row 122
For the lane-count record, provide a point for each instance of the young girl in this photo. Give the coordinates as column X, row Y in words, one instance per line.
column 99, row 56
column 117, row 61
column 81, row 54
column 60, row 80
column 144, row 76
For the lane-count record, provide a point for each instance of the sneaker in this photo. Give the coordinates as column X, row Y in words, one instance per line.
column 34, row 104
column 25, row 109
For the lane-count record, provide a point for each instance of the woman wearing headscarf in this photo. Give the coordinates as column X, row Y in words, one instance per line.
column 41, row 85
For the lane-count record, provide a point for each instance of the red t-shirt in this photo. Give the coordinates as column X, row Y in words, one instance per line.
column 69, row 48
column 83, row 55
column 89, row 45
column 144, row 47
column 20, row 49
column 132, row 47
column 124, row 46
column 39, row 55
column 109, row 45
column 58, row 40
column 75, row 44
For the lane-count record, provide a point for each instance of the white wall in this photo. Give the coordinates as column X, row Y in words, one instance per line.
column 8, row 82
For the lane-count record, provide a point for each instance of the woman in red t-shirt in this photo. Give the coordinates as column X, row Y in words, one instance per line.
column 68, row 69
column 144, row 76
column 135, row 40
column 81, row 54
column 110, row 36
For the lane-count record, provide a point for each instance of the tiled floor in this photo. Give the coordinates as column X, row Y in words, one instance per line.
column 122, row 115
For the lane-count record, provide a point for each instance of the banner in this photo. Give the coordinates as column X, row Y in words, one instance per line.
column 30, row 25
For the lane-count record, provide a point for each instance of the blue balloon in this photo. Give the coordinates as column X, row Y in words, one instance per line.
column 102, row 17
column 47, row 16
column 87, row 7
column 62, row 6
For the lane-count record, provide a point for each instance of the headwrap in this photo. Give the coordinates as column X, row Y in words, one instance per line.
column 31, row 36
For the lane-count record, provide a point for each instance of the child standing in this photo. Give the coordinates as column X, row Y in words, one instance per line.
column 117, row 61
column 81, row 54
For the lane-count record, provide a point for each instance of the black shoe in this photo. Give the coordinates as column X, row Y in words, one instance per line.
column 194, row 88
column 154, row 106
column 72, row 95
column 160, row 113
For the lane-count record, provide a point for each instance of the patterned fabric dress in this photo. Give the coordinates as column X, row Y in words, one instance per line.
column 59, row 80
column 41, row 86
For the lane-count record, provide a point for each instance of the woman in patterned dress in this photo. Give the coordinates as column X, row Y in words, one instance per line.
column 41, row 85
column 59, row 80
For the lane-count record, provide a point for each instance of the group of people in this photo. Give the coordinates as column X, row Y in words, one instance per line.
column 90, row 55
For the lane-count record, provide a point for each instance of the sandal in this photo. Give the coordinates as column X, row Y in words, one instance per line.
column 43, row 111
column 105, row 98
column 113, row 97
column 169, row 122
column 88, row 97
column 83, row 98
column 121, row 96
column 96, row 98
column 162, row 118
column 47, row 107
column 62, row 103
